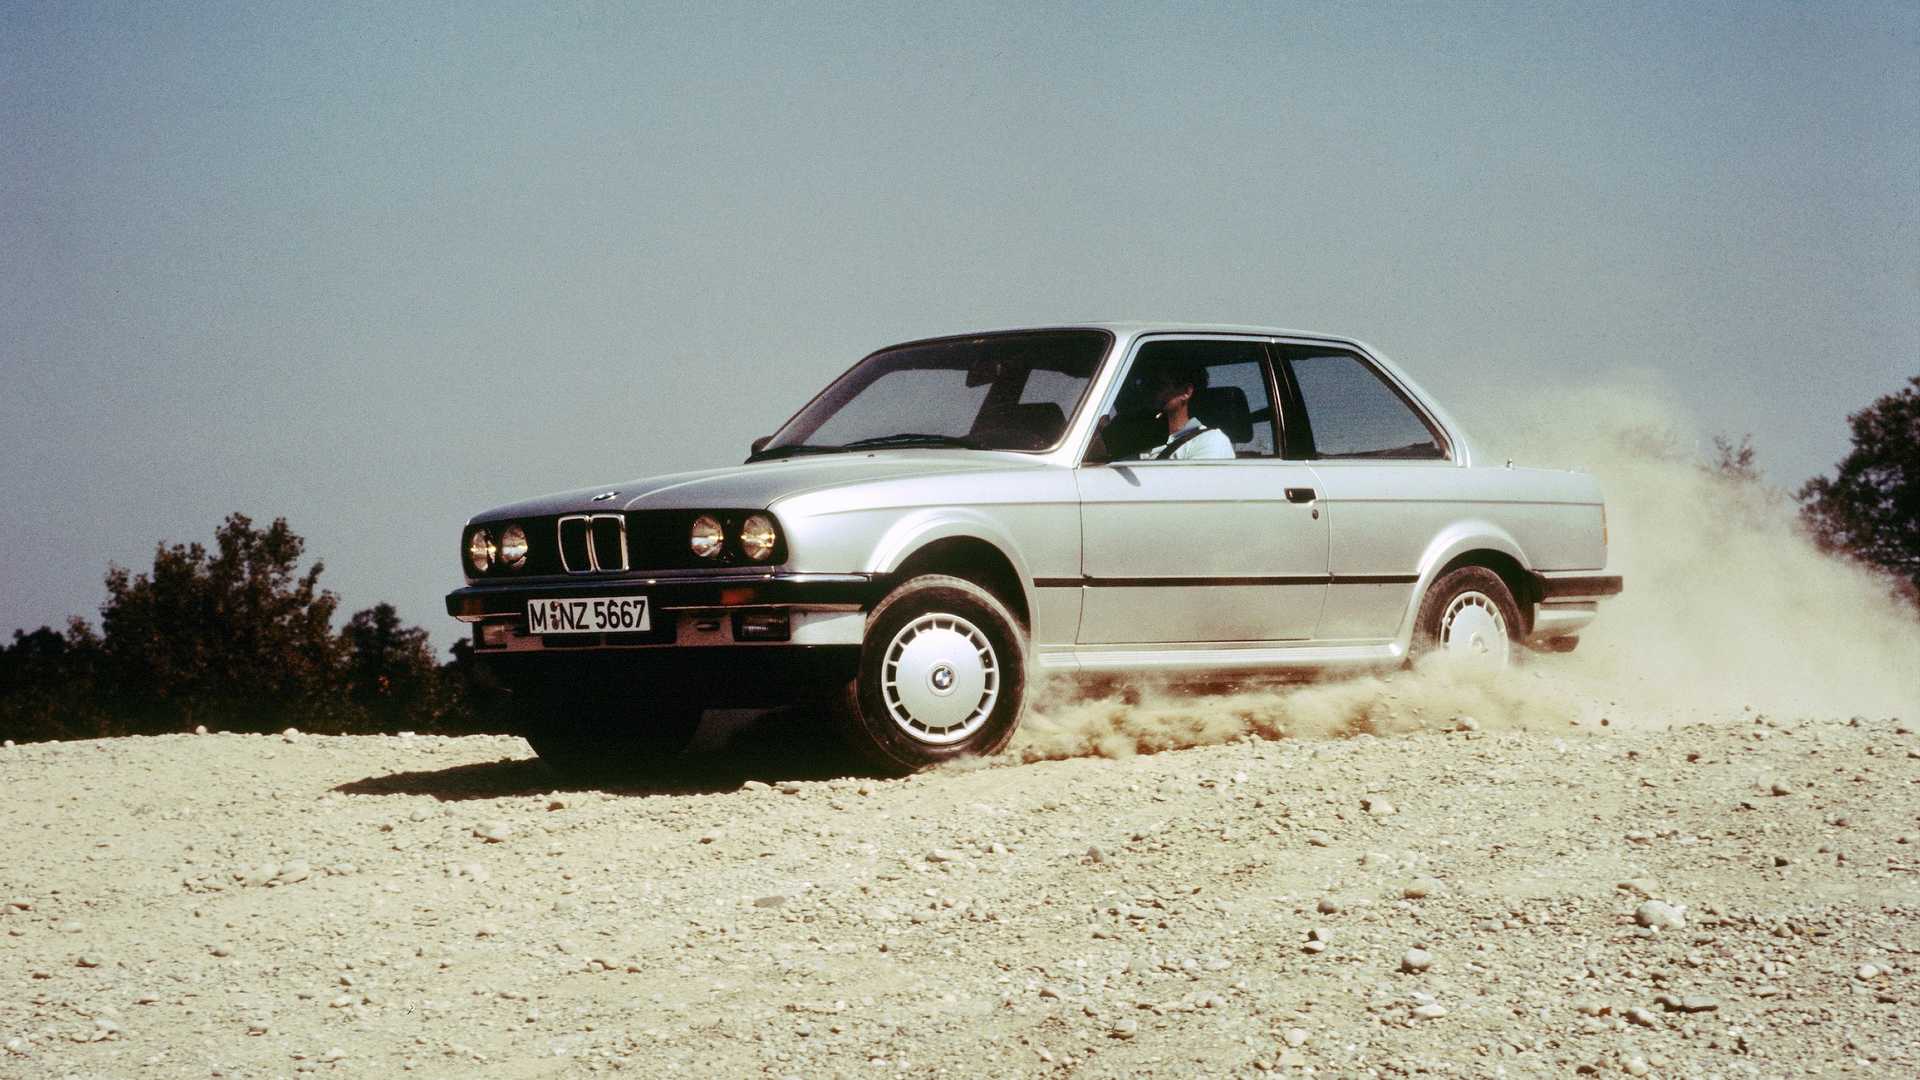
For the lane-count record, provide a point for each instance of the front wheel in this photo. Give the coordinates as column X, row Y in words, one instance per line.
column 942, row 675
column 1469, row 614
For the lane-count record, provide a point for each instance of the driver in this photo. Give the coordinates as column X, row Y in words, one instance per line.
column 1174, row 385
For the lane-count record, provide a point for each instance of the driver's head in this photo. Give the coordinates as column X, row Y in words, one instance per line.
column 1173, row 377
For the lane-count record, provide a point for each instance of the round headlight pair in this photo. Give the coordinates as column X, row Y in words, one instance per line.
column 708, row 538
column 510, row 550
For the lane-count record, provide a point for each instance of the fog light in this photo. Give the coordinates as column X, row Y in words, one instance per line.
column 761, row 626
column 491, row 635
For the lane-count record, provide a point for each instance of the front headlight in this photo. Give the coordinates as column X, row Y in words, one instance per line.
column 757, row 537
column 706, row 538
column 513, row 547
column 480, row 550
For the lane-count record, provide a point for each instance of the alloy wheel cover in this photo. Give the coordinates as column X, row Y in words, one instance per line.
column 939, row 679
column 1472, row 628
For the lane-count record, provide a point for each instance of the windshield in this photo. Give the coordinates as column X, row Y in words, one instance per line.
column 993, row 392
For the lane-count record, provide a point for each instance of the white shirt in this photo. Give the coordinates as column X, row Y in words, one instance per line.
column 1211, row 443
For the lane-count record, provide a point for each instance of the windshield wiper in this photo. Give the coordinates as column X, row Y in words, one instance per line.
column 912, row 438
column 774, row 453
column 875, row 442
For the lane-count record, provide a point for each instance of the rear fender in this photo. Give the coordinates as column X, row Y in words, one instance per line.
column 1449, row 544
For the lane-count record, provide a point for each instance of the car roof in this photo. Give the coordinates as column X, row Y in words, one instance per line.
column 1141, row 326
column 1128, row 328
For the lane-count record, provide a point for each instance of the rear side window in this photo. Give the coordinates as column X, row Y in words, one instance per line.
column 1352, row 411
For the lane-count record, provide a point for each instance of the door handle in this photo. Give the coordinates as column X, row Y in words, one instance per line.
column 1301, row 495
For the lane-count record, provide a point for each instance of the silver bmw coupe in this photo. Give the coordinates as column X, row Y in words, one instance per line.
column 953, row 518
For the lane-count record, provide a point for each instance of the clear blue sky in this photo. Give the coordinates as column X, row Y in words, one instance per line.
column 376, row 267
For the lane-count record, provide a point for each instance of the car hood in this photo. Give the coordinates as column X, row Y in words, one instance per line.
column 758, row 485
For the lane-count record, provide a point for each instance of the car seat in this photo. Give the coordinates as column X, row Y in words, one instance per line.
column 1225, row 407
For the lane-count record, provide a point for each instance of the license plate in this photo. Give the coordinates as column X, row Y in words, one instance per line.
column 588, row 615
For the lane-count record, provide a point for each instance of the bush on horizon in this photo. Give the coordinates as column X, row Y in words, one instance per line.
column 1870, row 509
column 235, row 638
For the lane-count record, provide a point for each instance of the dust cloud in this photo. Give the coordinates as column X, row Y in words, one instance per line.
column 1729, row 612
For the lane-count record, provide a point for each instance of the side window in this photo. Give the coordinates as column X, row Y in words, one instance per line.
column 1235, row 399
column 1352, row 411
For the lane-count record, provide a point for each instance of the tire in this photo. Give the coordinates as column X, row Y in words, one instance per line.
column 1470, row 613
column 593, row 731
column 942, row 675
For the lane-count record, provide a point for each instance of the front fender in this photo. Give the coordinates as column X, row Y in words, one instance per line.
column 916, row 530
column 922, row 527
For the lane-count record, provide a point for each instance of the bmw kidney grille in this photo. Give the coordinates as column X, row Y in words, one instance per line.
column 593, row 543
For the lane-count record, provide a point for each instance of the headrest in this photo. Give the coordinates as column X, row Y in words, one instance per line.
column 1224, row 407
column 1032, row 425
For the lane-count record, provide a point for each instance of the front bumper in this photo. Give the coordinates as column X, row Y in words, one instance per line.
column 496, row 598
column 745, row 609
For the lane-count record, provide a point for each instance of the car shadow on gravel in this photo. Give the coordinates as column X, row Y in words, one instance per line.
column 731, row 748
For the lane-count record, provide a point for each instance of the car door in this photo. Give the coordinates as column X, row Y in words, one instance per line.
column 1224, row 550
column 1388, row 482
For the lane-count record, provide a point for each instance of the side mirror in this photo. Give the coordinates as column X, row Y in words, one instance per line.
column 759, row 444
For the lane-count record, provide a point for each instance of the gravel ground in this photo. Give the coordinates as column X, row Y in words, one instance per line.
column 1738, row 898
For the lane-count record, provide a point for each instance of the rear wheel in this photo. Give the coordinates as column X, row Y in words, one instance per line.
column 597, row 731
column 1469, row 614
column 942, row 675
